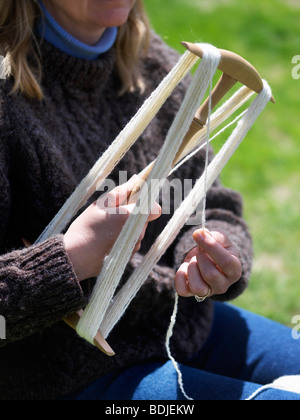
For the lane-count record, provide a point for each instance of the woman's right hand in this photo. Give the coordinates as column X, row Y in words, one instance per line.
column 92, row 235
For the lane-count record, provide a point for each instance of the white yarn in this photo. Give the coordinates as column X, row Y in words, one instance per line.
column 127, row 293
column 189, row 156
column 182, row 214
column 196, row 143
column 218, row 117
column 285, row 383
column 116, row 262
column 206, row 156
column 168, row 338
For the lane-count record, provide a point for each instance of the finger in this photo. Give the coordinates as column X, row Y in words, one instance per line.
column 211, row 274
column 225, row 241
column 196, row 283
column 118, row 195
column 143, row 233
column 191, row 254
column 153, row 215
column 138, row 245
column 227, row 262
column 136, row 190
column 155, row 212
column 181, row 281
column 136, row 248
column 128, row 209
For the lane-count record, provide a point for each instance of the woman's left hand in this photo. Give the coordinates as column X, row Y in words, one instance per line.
column 210, row 268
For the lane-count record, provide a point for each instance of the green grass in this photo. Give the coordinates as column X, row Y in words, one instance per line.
column 265, row 169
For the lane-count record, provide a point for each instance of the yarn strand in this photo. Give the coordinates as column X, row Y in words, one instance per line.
column 168, row 339
column 206, row 157
column 123, row 298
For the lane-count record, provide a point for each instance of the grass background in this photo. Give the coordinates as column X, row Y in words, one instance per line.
column 265, row 169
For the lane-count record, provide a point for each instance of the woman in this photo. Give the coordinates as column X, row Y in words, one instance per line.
column 76, row 72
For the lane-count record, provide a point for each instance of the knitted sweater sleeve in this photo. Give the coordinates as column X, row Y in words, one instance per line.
column 38, row 286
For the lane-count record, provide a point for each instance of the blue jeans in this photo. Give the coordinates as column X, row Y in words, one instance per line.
column 243, row 352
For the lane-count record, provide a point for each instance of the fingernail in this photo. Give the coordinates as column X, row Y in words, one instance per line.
column 200, row 234
column 206, row 232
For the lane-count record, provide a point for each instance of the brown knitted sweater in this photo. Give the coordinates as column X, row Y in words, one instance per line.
column 46, row 148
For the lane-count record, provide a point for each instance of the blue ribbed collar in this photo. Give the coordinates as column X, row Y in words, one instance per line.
column 49, row 29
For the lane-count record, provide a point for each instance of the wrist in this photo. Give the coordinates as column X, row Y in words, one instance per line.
column 79, row 258
column 73, row 257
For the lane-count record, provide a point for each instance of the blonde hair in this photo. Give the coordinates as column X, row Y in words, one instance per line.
column 18, row 43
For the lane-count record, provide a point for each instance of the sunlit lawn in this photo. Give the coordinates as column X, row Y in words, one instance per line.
column 265, row 169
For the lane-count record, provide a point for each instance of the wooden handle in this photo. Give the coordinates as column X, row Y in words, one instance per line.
column 195, row 127
column 99, row 341
column 223, row 86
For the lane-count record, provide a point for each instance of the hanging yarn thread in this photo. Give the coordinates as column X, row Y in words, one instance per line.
column 176, row 298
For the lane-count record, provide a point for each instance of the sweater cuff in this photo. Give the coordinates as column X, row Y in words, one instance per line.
column 40, row 288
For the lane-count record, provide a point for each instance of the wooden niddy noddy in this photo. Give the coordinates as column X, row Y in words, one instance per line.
column 235, row 69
